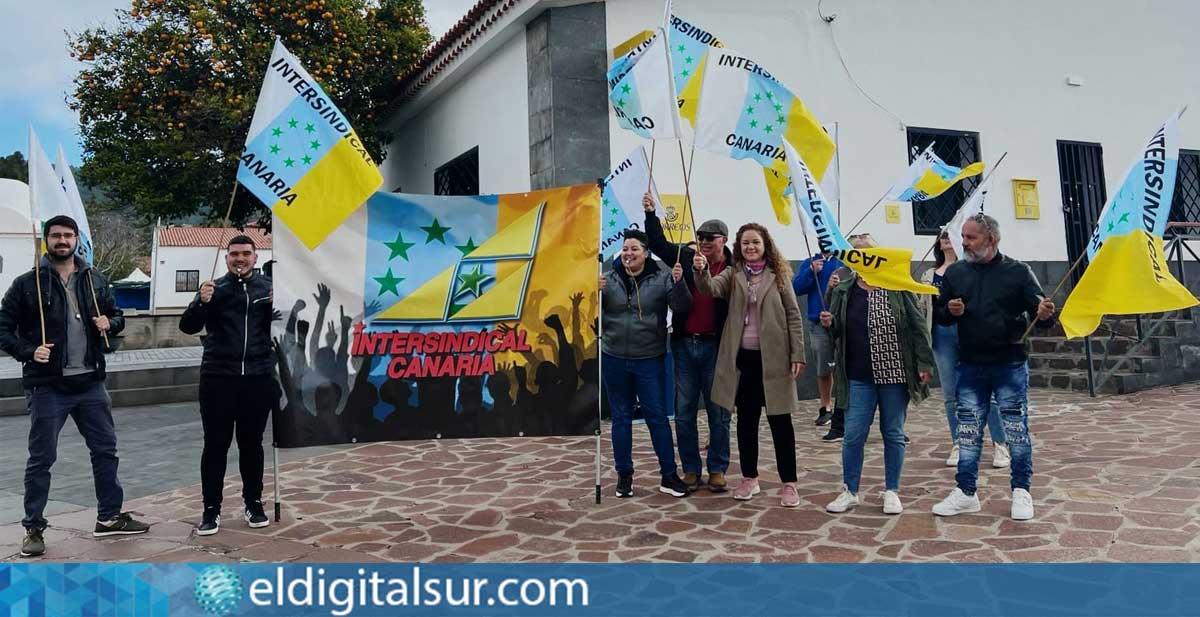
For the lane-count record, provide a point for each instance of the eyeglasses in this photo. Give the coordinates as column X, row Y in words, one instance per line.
column 706, row 237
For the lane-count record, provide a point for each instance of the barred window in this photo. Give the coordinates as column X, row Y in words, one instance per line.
column 187, row 280
column 460, row 176
column 1185, row 205
column 958, row 148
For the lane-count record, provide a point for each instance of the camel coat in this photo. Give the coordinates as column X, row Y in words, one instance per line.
column 781, row 337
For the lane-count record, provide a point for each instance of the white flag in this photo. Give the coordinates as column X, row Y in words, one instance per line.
column 641, row 93
column 46, row 196
column 67, row 182
column 621, row 200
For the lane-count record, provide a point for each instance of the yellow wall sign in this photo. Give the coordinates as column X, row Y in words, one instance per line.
column 676, row 220
column 1025, row 198
column 893, row 213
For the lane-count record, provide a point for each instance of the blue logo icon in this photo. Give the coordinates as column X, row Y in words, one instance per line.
column 218, row 590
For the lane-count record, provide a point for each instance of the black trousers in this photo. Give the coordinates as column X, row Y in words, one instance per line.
column 782, row 434
column 229, row 406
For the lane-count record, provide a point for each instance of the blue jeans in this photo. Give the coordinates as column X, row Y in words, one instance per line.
column 945, row 355
column 892, row 401
column 1009, row 384
column 630, row 381
column 695, row 361
column 92, row 411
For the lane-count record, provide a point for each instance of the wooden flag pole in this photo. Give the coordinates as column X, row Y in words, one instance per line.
column 96, row 305
column 687, row 198
column 224, row 224
column 37, row 276
column 1061, row 282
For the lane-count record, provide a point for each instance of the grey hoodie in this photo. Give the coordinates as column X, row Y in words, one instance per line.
column 634, row 310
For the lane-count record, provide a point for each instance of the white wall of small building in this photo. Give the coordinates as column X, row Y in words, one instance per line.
column 16, row 257
column 997, row 68
column 171, row 259
column 488, row 108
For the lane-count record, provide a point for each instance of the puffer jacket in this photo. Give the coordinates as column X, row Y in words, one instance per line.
column 634, row 310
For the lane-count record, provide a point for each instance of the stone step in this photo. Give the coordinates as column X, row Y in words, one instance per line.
column 141, row 386
column 1135, row 364
column 1153, row 346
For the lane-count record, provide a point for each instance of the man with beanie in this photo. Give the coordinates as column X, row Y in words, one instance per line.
column 237, row 390
column 62, row 346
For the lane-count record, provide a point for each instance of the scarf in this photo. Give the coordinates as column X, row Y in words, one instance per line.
column 755, row 267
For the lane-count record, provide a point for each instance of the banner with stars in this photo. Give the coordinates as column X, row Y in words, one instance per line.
column 302, row 159
column 746, row 113
column 456, row 317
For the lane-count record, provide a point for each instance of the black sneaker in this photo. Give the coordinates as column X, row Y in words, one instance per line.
column 833, row 436
column 34, row 544
column 122, row 525
column 625, row 485
column 673, row 486
column 823, row 417
column 255, row 517
column 210, row 522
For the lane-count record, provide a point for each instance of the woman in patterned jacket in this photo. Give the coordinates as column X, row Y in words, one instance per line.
column 884, row 361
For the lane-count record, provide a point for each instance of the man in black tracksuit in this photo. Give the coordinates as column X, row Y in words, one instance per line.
column 62, row 347
column 237, row 389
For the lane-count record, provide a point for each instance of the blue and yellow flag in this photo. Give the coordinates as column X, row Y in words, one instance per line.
column 302, row 158
column 1128, row 272
column 929, row 176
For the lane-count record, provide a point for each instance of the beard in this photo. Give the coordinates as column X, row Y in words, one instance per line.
column 55, row 256
column 975, row 256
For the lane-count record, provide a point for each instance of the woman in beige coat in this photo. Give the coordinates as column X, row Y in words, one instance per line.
column 761, row 353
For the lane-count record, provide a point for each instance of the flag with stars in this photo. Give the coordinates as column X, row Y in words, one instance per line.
column 746, row 113
column 1127, row 271
column 689, row 44
column 621, row 200
column 640, row 91
column 302, row 158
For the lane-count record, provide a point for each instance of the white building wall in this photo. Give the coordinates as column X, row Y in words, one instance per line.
column 488, row 108
column 170, row 259
column 998, row 68
column 16, row 257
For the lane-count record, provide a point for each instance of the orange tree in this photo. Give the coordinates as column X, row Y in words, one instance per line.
column 165, row 96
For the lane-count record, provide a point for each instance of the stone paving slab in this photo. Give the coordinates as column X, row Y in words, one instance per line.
column 170, row 357
column 1116, row 479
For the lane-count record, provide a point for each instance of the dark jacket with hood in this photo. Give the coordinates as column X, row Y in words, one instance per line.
column 20, row 325
column 667, row 251
column 1001, row 296
column 634, row 310
column 237, row 321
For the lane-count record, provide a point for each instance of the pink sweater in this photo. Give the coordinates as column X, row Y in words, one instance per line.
column 750, row 328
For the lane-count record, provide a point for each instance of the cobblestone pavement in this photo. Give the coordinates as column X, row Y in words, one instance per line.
column 1116, row 479
column 127, row 360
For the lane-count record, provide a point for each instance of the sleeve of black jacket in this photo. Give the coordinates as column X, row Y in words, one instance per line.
column 194, row 317
column 661, row 247
column 941, row 314
column 10, row 318
column 109, row 308
column 1032, row 295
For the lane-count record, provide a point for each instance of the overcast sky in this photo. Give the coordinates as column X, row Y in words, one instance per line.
column 36, row 70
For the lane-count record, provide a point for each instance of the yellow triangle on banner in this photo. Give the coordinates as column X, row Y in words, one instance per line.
column 426, row 303
column 630, row 43
column 518, row 239
column 689, row 97
column 886, row 268
column 502, row 301
column 777, row 183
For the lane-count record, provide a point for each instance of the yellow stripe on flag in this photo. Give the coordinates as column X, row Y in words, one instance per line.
column 631, row 43
column 335, row 187
column 809, row 138
column 777, row 183
column 933, row 185
column 1129, row 276
column 887, row 268
column 689, row 97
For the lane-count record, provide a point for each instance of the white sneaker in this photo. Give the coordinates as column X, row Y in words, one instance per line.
column 1001, row 457
column 844, row 502
column 891, row 503
column 952, row 460
column 1022, row 505
column 957, row 503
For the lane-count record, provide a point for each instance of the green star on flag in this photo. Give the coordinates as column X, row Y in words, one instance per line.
column 612, row 223
column 307, row 159
column 472, row 281
column 288, row 162
column 1124, row 218
column 754, row 124
column 682, row 49
column 292, row 123
column 399, row 247
column 781, row 119
column 276, row 132
column 625, row 88
column 604, row 201
column 757, row 97
column 770, row 95
column 750, row 111
column 468, row 247
column 388, row 283
column 613, row 211
column 436, row 232
column 314, row 144
column 621, row 102
column 309, row 128
column 1111, row 226
column 768, row 128
column 687, row 60
column 275, row 149
column 685, row 72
